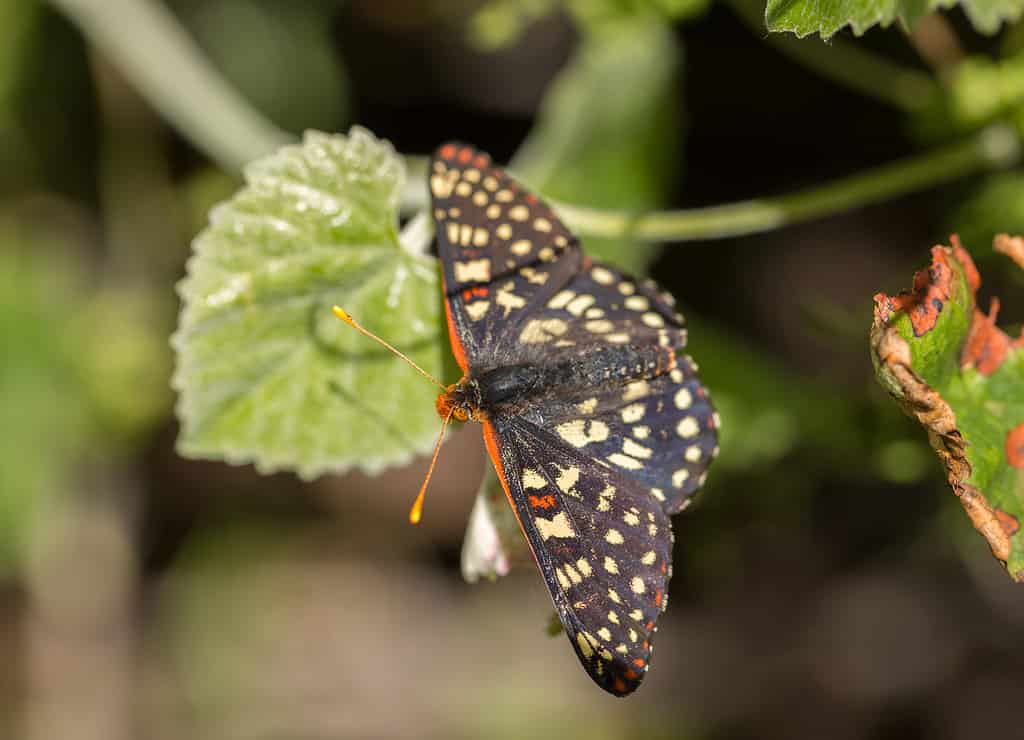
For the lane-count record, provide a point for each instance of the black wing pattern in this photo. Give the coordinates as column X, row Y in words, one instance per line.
column 603, row 545
column 592, row 473
column 503, row 250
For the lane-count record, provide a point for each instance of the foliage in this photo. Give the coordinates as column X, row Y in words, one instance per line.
column 69, row 353
column 949, row 366
column 610, row 151
column 265, row 372
column 803, row 17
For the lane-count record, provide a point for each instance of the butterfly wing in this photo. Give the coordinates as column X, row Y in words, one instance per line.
column 602, row 543
column 503, row 252
column 662, row 432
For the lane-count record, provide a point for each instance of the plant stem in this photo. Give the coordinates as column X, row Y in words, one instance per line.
column 994, row 147
column 150, row 48
column 845, row 63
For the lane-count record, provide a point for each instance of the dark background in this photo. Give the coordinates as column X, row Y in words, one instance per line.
column 826, row 584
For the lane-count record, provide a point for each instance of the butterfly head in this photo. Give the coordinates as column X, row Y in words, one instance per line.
column 461, row 401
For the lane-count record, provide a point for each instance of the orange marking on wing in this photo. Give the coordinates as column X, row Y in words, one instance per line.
column 630, row 674
column 542, row 502
column 480, row 161
column 657, row 598
column 465, row 154
column 664, row 567
column 453, row 336
column 531, row 199
column 447, row 151
column 491, row 443
column 619, row 686
column 649, row 625
column 638, row 662
column 477, row 291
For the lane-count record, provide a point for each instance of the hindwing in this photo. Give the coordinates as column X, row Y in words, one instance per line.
column 602, row 543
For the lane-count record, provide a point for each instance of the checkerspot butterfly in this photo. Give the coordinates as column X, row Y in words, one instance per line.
column 597, row 430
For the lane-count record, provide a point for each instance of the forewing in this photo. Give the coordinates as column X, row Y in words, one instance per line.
column 602, row 543
column 602, row 305
column 663, row 432
column 502, row 249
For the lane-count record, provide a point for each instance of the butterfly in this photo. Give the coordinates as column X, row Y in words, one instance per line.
column 598, row 430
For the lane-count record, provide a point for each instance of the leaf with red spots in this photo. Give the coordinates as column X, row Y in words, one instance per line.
column 949, row 366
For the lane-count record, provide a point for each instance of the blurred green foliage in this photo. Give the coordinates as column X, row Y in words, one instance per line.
column 825, row 471
column 605, row 135
column 70, row 352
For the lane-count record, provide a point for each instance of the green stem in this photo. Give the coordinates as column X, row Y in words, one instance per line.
column 994, row 147
column 157, row 55
column 845, row 63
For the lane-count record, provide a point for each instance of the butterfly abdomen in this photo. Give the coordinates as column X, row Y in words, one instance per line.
column 505, row 388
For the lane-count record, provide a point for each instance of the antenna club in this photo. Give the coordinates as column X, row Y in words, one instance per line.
column 344, row 315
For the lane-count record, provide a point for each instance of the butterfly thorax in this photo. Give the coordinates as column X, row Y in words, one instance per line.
column 509, row 389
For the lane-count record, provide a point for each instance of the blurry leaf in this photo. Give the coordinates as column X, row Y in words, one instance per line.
column 43, row 418
column 266, row 373
column 804, row 17
column 951, row 368
column 296, row 78
column 767, row 410
column 82, row 375
column 607, row 130
column 996, row 206
column 118, row 339
column 500, row 23
column 975, row 92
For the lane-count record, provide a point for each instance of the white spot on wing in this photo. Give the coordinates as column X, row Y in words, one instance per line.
column 580, row 432
column 637, row 303
column 561, row 299
column 633, row 412
column 538, row 331
column 533, row 479
column 477, row 310
column 557, row 526
column 614, row 537
column 636, row 450
column 638, row 389
column 687, row 428
column 472, row 271
column 625, row 461
column 580, row 304
column 683, row 398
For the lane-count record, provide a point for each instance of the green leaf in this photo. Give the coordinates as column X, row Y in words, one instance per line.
column 265, row 372
column 951, row 368
column 606, row 130
column 804, row 17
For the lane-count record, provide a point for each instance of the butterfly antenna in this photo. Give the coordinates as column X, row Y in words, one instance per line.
column 342, row 314
column 416, row 512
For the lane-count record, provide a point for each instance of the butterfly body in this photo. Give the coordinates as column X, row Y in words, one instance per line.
column 512, row 390
column 598, row 429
